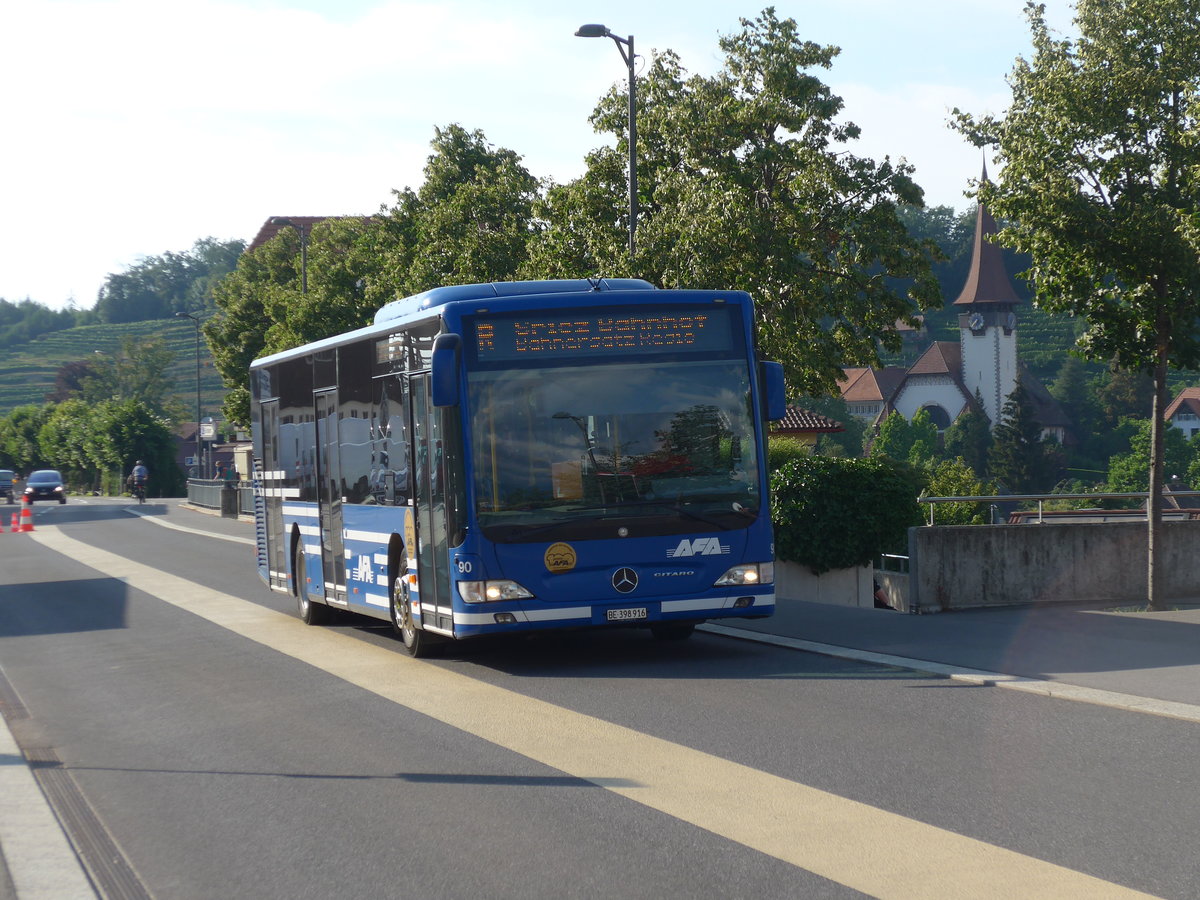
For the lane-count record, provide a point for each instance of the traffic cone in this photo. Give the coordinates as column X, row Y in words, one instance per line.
column 27, row 517
column 15, row 527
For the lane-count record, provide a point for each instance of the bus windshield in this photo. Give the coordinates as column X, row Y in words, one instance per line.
column 664, row 447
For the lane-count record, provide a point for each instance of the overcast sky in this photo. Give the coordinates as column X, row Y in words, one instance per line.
column 135, row 127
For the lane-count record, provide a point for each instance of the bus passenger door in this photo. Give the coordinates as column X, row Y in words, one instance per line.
column 329, row 496
column 271, row 546
column 429, row 495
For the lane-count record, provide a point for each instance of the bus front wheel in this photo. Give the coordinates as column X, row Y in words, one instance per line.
column 417, row 642
column 310, row 613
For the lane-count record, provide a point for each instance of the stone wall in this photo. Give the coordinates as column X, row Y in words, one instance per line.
column 960, row 567
column 843, row 587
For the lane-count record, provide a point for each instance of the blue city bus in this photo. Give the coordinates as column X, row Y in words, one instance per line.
column 513, row 457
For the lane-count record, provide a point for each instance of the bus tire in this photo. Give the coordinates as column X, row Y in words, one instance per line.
column 310, row 613
column 419, row 644
column 673, row 631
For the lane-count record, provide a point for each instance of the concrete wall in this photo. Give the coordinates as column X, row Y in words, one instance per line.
column 842, row 587
column 959, row 567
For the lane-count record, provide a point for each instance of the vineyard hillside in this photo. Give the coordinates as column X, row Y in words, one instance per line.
column 27, row 371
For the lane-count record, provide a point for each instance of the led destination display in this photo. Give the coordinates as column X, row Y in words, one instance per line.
column 569, row 333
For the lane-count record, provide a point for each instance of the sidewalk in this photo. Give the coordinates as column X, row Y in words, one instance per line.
column 1143, row 655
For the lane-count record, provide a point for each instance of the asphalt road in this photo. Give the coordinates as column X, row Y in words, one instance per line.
column 213, row 746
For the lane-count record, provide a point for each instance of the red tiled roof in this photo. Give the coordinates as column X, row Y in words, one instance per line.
column 872, row 385
column 800, row 420
column 1188, row 398
column 942, row 358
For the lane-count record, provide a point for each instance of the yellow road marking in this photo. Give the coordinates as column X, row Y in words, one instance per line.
column 865, row 848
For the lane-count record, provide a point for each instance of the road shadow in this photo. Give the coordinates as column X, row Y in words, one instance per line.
column 63, row 607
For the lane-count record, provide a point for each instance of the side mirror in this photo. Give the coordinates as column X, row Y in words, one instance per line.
column 775, row 389
column 447, row 348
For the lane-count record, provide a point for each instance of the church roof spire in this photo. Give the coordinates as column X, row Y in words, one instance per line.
column 987, row 282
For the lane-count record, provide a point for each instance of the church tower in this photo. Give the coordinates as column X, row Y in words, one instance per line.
column 987, row 321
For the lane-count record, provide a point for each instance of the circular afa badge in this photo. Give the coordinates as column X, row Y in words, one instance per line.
column 560, row 557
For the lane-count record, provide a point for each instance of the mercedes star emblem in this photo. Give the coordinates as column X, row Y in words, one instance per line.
column 624, row 580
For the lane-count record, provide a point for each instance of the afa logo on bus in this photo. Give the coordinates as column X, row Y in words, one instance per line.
column 699, row 547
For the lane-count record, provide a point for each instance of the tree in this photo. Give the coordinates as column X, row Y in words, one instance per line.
column 157, row 287
column 469, row 222
column 1124, row 394
column 1018, row 459
column 894, row 439
column 474, row 213
column 969, row 437
column 19, row 448
column 1130, row 471
column 955, row 478
column 1101, row 185
column 924, row 449
column 137, row 372
column 749, row 183
column 237, row 333
column 69, row 379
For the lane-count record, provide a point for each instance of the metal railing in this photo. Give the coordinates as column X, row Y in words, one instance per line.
column 892, row 562
column 1041, row 499
column 209, row 493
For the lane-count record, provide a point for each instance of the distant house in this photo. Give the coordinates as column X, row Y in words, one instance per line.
column 1184, row 412
column 977, row 372
column 805, row 426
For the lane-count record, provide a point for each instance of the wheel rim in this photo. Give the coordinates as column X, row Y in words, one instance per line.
column 402, row 611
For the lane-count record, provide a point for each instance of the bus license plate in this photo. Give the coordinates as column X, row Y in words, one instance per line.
column 622, row 615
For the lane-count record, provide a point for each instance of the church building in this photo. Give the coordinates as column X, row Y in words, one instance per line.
column 978, row 371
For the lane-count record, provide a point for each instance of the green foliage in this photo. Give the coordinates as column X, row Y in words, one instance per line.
column 848, row 441
column 469, row 222
column 159, row 286
column 894, row 440
column 833, row 513
column 969, row 438
column 24, row 321
column 1101, row 187
column 924, row 448
column 1018, row 456
column 782, row 450
column 93, row 444
column 30, row 373
column 955, row 478
column 139, row 372
column 1130, row 471
column 747, row 180
column 19, row 449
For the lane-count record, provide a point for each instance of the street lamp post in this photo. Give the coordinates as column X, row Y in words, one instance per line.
column 284, row 222
column 629, row 57
column 199, row 452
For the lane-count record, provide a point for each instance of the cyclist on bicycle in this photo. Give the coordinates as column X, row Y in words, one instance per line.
column 138, row 478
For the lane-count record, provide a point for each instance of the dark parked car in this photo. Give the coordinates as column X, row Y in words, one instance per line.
column 45, row 484
column 8, row 483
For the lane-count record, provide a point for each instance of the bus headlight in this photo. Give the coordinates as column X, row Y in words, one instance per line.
column 748, row 573
column 491, row 591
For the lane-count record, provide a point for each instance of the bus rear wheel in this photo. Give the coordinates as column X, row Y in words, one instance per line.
column 419, row 643
column 310, row 613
